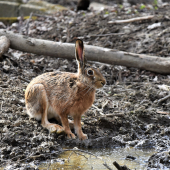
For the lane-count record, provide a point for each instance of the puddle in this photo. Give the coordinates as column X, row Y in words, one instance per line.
column 79, row 160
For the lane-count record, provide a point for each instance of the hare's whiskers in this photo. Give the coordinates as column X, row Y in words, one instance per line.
column 90, row 88
column 63, row 96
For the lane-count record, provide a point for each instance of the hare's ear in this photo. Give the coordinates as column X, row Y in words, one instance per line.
column 79, row 53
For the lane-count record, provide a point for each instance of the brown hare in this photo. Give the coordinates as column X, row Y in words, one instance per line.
column 59, row 94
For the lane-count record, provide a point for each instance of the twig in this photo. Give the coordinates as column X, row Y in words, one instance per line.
column 163, row 99
column 75, row 149
column 21, row 78
column 44, row 16
column 131, row 20
column 81, row 155
column 162, row 112
column 164, row 31
column 27, row 25
column 31, row 156
column 107, row 166
column 10, row 57
column 50, row 155
column 49, row 166
column 112, row 115
column 1, row 105
column 106, row 102
column 101, row 35
column 143, row 101
column 99, row 110
column 117, row 165
column 79, row 150
column 1, row 135
column 9, row 62
column 70, row 155
column 120, row 167
column 99, row 90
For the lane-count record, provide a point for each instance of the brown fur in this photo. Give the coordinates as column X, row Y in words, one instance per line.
column 59, row 94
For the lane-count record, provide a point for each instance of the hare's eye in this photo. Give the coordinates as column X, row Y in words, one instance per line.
column 90, row 72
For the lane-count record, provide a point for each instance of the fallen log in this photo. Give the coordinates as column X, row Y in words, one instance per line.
column 93, row 53
column 4, row 45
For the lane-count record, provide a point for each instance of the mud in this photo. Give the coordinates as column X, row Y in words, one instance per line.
column 126, row 112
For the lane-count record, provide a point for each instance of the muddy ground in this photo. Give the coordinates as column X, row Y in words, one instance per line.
column 126, row 112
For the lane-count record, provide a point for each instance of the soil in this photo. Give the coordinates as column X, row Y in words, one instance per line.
column 126, row 112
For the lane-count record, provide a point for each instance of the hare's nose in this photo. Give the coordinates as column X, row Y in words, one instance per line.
column 103, row 82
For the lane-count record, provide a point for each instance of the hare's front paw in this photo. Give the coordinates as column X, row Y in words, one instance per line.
column 71, row 136
column 83, row 136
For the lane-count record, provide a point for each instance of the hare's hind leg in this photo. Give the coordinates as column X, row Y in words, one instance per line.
column 37, row 106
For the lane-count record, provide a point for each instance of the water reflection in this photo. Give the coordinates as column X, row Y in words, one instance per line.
column 131, row 157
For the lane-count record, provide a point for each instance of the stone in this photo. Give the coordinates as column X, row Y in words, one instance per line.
column 5, row 7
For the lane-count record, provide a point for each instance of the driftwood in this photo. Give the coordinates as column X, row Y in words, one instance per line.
column 131, row 20
column 4, row 45
column 93, row 53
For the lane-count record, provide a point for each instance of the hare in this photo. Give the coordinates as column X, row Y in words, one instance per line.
column 59, row 94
